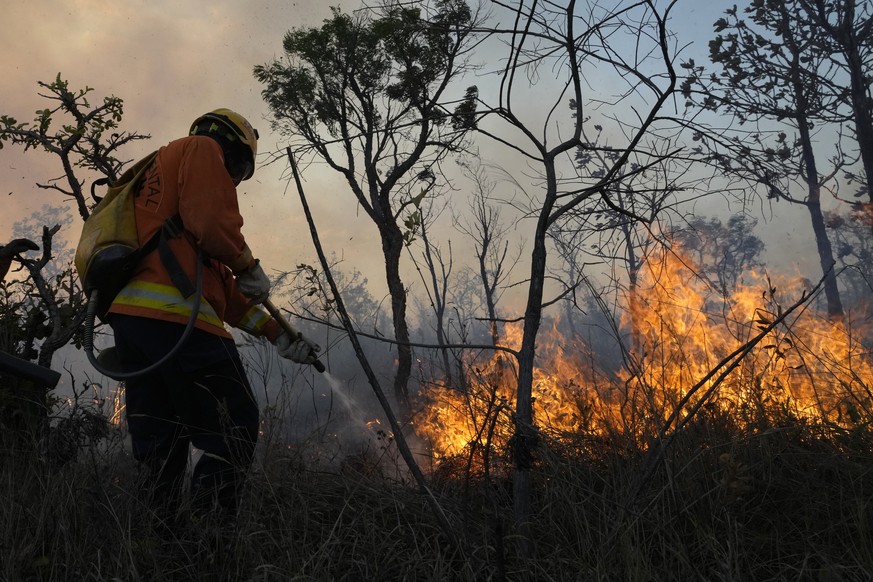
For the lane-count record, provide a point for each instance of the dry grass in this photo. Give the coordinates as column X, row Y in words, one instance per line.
column 780, row 504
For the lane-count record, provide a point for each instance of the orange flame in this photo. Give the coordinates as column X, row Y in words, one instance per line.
column 806, row 368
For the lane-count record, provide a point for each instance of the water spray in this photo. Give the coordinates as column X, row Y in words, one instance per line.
column 349, row 403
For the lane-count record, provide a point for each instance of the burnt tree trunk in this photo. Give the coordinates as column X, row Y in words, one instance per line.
column 850, row 37
column 525, row 437
column 392, row 247
column 813, row 205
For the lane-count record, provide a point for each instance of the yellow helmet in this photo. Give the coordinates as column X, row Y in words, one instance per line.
column 234, row 130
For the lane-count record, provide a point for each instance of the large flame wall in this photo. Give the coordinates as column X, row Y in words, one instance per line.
column 675, row 330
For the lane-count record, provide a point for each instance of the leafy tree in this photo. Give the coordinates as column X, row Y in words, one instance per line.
column 369, row 94
column 774, row 74
column 46, row 310
column 81, row 136
column 722, row 252
column 853, row 247
column 844, row 30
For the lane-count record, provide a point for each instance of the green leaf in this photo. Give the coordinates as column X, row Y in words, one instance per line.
column 417, row 200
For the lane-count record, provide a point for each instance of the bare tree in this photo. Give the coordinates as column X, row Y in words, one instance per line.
column 436, row 281
column 568, row 39
column 489, row 235
column 621, row 239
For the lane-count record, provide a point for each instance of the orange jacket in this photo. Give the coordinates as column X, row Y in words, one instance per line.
column 188, row 177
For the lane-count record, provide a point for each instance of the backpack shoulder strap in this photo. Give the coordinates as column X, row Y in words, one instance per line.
column 171, row 228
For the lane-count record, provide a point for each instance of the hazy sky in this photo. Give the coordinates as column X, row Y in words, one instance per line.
column 172, row 61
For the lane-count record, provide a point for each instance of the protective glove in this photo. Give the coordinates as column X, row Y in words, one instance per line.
column 17, row 246
column 299, row 350
column 254, row 283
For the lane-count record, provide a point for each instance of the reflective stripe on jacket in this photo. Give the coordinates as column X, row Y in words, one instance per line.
column 166, row 299
column 166, row 303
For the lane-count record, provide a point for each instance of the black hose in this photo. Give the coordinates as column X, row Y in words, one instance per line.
column 91, row 313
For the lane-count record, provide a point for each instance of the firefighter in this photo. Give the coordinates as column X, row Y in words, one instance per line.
column 201, row 396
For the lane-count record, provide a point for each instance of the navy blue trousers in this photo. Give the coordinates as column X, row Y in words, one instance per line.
column 201, row 396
